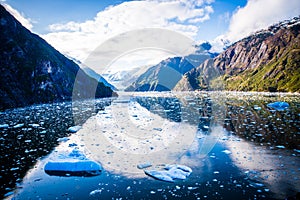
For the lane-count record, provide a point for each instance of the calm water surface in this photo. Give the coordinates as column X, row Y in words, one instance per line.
column 237, row 147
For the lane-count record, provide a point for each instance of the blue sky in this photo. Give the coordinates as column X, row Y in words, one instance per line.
column 77, row 27
column 44, row 13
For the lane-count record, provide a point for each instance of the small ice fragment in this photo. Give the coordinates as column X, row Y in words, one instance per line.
column 34, row 125
column 144, row 165
column 27, row 141
column 278, row 105
column 216, row 172
column 206, row 127
column 64, row 139
column 280, row 147
column 4, row 125
column 256, row 185
column 18, row 126
column 256, row 107
column 94, row 192
column 77, row 154
column 297, row 150
column 128, row 188
column 73, row 145
column 152, row 192
column 226, row 151
column 74, row 129
column 224, row 138
column 8, row 194
column 192, row 188
column 177, row 187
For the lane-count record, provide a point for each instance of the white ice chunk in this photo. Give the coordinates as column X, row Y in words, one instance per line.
column 4, row 125
column 144, row 165
column 34, row 125
column 74, row 129
column 181, row 167
column 18, row 125
column 170, row 173
column 95, row 192
column 226, row 151
column 160, row 175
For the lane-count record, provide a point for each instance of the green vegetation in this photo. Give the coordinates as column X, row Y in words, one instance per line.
column 282, row 75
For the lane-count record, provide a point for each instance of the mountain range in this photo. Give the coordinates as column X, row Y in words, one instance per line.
column 268, row 60
column 165, row 75
column 34, row 72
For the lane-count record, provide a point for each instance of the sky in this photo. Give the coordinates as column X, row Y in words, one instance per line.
column 77, row 27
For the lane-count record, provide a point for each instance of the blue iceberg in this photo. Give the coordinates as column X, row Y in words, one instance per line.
column 73, row 168
column 73, row 164
column 74, row 129
column 278, row 105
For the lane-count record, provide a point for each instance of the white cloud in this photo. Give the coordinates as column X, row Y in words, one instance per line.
column 259, row 14
column 79, row 39
column 26, row 22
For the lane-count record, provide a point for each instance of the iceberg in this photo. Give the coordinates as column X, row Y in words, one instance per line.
column 73, row 164
column 73, row 168
column 171, row 173
column 74, row 129
column 278, row 105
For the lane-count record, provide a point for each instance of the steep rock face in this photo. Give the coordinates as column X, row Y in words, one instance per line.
column 32, row 71
column 265, row 61
column 165, row 75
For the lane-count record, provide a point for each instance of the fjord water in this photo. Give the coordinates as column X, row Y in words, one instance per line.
column 237, row 147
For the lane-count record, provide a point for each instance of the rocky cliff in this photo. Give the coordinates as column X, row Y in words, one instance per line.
column 32, row 71
column 268, row 60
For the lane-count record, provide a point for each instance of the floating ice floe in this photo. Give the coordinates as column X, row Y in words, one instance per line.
column 34, row 125
column 256, row 107
column 74, row 164
column 278, row 105
column 226, row 151
column 144, row 165
column 64, row 139
column 74, row 129
column 4, row 125
column 95, row 192
column 170, row 173
column 19, row 126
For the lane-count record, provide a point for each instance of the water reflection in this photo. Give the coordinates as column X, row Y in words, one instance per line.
column 235, row 145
